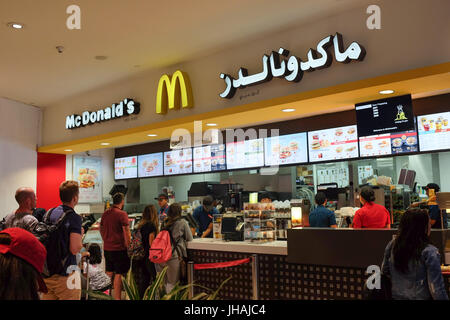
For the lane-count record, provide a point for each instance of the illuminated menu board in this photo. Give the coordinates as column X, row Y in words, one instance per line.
column 125, row 168
column 178, row 161
column 333, row 144
column 434, row 131
column 386, row 126
column 150, row 165
column 287, row 149
column 245, row 154
column 209, row 158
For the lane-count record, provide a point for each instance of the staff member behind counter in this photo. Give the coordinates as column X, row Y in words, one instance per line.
column 433, row 208
column 204, row 216
column 371, row 215
column 322, row 217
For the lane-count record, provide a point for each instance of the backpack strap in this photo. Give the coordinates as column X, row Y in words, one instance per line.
column 169, row 230
column 47, row 216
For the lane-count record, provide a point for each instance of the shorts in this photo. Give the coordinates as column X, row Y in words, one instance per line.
column 117, row 262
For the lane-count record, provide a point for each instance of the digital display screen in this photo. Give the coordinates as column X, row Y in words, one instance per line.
column 333, row 144
column 245, row 154
column 384, row 116
column 178, row 161
column 125, row 168
column 386, row 126
column 434, row 131
column 150, row 165
column 286, row 149
column 209, row 158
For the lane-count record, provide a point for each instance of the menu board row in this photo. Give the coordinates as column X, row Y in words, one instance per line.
column 434, row 131
column 125, row 168
column 209, row 158
column 178, row 162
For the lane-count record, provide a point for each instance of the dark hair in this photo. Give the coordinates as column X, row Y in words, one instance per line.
column 68, row 190
column 150, row 215
column 433, row 186
column 367, row 194
column 411, row 238
column 320, row 198
column 118, row 198
column 18, row 279
column 95, row 254
column 173, row 214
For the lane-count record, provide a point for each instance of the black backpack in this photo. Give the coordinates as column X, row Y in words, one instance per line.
column 3, row 224
column 57, row 251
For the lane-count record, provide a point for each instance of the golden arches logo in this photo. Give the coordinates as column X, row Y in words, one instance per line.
column 173, row 92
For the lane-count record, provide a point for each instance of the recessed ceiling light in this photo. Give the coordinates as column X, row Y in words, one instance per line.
column 288, row 110
column 68, row 150
column 211, row 124
column 386, row 92
column 105, row 143
column 15, row 25
column 152, row 135
column 101, row 57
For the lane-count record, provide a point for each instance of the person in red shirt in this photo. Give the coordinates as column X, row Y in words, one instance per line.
column 371, row 215
column 115, row 231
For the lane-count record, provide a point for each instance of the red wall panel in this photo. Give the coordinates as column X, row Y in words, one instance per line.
column 51, row 172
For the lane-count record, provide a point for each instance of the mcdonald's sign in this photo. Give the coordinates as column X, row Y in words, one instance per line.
column 173, row 92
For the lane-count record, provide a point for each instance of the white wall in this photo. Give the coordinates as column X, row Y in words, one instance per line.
column 19, row 134
column 444, row 165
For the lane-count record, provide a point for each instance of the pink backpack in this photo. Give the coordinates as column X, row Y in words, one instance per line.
column 161, row 250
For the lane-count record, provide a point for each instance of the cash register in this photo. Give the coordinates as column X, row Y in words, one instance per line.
column 233, row 227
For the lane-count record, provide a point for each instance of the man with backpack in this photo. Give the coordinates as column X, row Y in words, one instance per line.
column 63, row 244
column 23, row 216
column 115, row 231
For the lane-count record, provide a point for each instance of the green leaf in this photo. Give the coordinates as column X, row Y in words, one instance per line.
column 98, row 295
column 158, row 284
column 214, row 295
column 200, row 296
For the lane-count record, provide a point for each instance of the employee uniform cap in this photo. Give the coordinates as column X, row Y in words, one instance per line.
column 26, row 246
column 162, row 195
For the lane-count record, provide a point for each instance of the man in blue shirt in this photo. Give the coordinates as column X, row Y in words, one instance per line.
column 204, row 217
column 435, row 211
column 321, row 217
column 163, row 202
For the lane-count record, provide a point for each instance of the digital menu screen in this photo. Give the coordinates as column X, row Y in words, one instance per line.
column 245, row 154
column 333, row 144
column 178, row 161
column 386, row 126
column 125, row 168
column 150, row 165
column 434, row 131
column 287, row 149
column 390, row 115
column 209, row 158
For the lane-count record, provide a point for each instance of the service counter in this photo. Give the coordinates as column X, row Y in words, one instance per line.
column 313, row 264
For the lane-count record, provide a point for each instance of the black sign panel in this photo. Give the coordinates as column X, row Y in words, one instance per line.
column 385, row 116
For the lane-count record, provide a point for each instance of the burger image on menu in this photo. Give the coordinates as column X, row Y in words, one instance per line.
column 315, row 145
column 285, row 153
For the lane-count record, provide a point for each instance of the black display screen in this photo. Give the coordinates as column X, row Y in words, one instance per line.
column 385, row 116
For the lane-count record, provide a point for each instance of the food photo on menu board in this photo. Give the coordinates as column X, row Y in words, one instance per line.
column 150, row 165
column 386, row 126
column 178, row 161
column 209, row 158
column 333, row 144
column 125, row 168
column 245, row 154
column 286, row 149
column 434, row 131
column 88, row 172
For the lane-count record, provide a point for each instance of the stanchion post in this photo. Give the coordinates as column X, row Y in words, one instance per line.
column 190, row 276
column 255, row 277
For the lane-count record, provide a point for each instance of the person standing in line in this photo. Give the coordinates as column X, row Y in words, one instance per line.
column 411, row 263
column 435, row 212
column 180, row 232
column 163, row 202
column 321, row 217
column 204, row 216
column 22, row 259
column 115, row 231
column 144, row 270
column 371, row 215
column 23, row 216
column 69, row 237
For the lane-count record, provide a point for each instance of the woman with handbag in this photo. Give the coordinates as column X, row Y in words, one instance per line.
column 144, row 271
column 411, row 263
column 180, row 233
